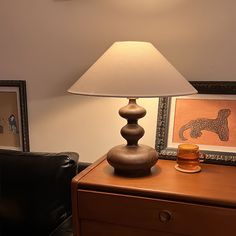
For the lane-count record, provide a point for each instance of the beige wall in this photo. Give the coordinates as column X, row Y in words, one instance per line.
column 50, row 43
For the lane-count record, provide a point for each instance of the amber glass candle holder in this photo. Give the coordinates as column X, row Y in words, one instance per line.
column 189, row 158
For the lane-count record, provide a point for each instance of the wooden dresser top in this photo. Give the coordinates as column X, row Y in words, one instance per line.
column 215, row 184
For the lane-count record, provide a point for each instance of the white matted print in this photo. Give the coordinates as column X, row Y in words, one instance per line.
column 13, row 116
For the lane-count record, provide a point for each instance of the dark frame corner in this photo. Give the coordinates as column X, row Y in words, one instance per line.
column 203, row 87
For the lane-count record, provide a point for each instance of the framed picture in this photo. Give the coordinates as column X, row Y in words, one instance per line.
column 14, row 133
column 207, row 119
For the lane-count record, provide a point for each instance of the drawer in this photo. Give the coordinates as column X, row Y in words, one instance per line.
column 155, row 214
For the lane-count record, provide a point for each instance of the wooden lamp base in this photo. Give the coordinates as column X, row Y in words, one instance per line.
column 132, row 159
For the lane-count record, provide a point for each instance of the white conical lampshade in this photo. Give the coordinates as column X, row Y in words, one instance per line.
column 132, row 69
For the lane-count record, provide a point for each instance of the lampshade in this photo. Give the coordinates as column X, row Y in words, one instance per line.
column 132, row 69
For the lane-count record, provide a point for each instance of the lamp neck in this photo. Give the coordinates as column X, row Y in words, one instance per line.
column 132, row 131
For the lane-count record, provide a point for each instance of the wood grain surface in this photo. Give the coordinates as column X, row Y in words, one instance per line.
column 215, row 184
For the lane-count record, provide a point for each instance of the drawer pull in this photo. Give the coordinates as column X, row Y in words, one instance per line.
column 165, row 216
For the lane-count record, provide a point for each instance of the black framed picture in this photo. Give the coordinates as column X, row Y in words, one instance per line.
column 207, row 119
column 14, row 132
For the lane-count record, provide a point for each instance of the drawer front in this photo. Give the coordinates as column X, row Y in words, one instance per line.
column 154, row 214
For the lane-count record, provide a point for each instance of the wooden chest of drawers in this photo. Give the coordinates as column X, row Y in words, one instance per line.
column 165, row 203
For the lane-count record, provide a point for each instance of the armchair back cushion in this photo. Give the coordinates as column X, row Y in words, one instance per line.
column 34, row 191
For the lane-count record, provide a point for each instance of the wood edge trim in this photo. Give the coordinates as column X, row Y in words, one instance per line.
column 84, row 172
column 74, row 196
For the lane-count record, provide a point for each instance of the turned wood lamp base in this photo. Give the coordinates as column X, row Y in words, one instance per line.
column 132, row 159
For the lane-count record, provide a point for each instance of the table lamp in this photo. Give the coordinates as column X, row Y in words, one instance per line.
column 132, row 70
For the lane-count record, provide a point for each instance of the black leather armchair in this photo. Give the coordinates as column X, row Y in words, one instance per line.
column 35, row 193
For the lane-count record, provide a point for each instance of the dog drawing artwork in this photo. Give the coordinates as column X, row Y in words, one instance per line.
column 219, row 125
